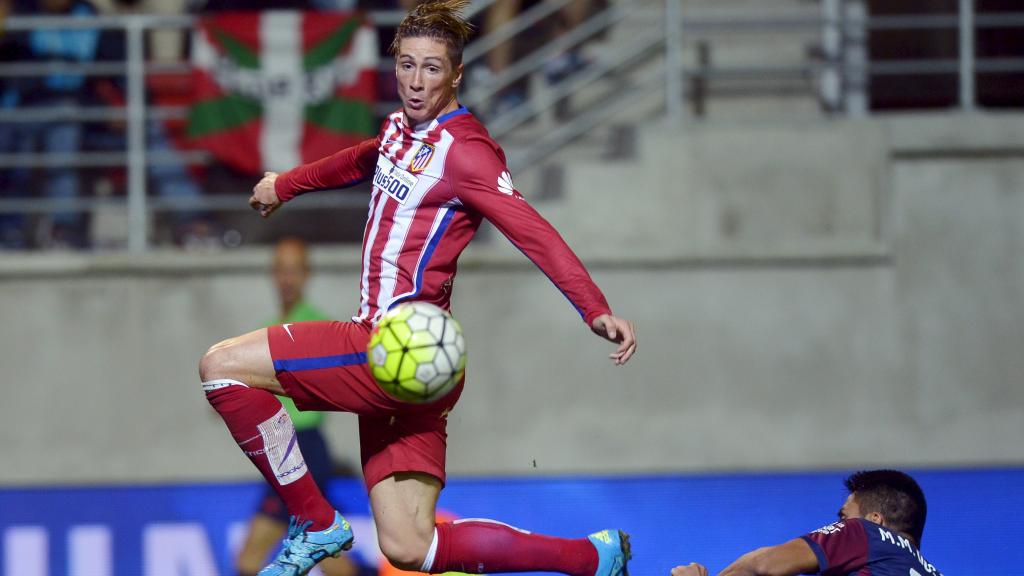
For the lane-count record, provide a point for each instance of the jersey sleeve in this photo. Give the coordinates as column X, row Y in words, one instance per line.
column 841, row 548
column 482, row 183
column 339, row 170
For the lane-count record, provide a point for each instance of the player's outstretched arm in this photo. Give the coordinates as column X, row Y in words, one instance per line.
column 618, row 330
column 339, row 170
column 264, row 197
column 483, row 184
column 788, row 559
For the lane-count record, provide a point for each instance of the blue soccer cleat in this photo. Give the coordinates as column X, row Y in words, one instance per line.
column 612, row 552
column 302, row 550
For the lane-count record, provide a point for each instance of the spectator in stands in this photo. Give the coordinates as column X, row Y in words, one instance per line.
column 169, row 178
column 502, row 56
column 56, row 92
column 337, row 5
column 204, row 6
column 572, row 59
column 11, row 235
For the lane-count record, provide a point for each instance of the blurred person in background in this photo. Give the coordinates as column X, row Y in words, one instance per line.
column 169, row 178
column 879, row 532
column 62, row 92
column 556, row 68
column 290, row 272
column 500, row 57
column 208, row 6
column 437, row 176
column 571, row 59
column 11, row 233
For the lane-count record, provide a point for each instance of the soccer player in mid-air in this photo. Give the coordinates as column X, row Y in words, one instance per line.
column 436, row 175
column 878, row 534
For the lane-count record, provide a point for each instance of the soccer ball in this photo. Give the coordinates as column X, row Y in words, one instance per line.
column 417, row 352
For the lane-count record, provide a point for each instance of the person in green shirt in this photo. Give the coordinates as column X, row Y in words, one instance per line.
column 290, row 272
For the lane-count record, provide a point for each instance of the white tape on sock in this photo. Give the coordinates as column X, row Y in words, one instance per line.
column 428, row 561
column 211, row 385
column 489, row 521
column 282, row 448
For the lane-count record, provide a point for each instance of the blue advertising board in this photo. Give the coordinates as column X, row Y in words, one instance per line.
column 193, row 530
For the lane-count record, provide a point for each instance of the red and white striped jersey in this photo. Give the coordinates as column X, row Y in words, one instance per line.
column 432, row 187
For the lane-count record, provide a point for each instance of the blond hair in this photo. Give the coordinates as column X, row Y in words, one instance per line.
column 440, row 20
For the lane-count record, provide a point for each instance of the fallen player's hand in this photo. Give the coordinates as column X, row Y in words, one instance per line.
column 264, row 198
column 617, row 330
column 691, row 569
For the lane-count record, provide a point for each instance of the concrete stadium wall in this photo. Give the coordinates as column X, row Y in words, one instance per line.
column 825, row 295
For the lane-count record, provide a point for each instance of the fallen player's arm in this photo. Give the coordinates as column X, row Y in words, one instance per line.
column 789, row 559
column 691, row 569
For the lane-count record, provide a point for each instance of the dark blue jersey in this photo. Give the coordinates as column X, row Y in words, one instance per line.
column 857, row 547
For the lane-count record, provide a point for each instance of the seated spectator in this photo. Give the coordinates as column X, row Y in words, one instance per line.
column 55, row 91
column 556, row 69
column 168, row 179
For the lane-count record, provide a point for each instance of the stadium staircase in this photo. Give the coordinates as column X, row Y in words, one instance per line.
column 729, row 69
column 603, row 147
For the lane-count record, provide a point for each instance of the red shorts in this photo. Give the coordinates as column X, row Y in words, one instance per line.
column 322, row 366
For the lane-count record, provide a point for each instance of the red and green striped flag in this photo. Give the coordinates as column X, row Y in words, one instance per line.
column 279, row 88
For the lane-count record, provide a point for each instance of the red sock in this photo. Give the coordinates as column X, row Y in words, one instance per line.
column 486, row 547
column 264, row 431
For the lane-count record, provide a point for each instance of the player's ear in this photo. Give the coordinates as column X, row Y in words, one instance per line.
column 875, row 517
column 458, row 76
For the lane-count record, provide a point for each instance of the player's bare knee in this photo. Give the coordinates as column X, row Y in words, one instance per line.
column 208, row 365
column 403, row 554
column 405, row 559
column 215, row 363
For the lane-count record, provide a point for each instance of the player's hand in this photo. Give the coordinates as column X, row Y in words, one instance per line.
column 264, row 198
column 691, row 569
column 618, row 330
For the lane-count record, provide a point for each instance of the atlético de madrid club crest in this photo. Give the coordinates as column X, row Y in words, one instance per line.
column 421, row 159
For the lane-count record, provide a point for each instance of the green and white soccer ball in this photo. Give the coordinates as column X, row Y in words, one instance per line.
column 417, row 352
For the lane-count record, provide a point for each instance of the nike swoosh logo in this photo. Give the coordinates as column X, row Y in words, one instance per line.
column 287, row 328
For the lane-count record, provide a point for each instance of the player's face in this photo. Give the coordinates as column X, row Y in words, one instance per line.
column 850, row 509
column 427, row 81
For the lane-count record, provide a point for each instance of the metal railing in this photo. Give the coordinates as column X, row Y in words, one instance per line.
column 661, row 59
column 135, row 114
column 682, row 35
